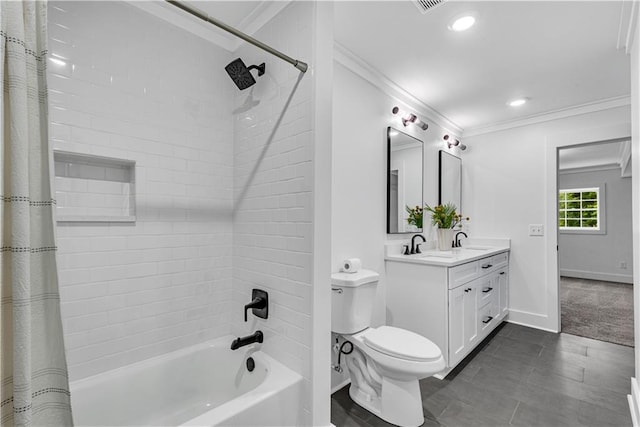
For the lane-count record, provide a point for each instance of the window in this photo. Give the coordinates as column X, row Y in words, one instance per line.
column 579, row 209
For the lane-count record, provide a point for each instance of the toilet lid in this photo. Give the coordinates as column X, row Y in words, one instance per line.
column 402, row 344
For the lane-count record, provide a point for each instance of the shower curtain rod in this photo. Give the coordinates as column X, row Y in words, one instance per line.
column 198, row 14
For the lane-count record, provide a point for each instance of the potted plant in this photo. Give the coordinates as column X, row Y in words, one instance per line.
column 446, row 219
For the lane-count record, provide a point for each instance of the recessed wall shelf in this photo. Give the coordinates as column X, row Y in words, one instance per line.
column 93, row 188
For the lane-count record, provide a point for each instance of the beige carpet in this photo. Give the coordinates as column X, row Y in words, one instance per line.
column 597, row 309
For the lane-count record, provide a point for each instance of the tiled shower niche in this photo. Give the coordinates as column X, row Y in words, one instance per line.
column 93, row 188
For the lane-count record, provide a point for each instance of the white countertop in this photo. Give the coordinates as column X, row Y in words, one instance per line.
column 473, row 251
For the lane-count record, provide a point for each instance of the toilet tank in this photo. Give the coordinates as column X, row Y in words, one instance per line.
column 352, row 296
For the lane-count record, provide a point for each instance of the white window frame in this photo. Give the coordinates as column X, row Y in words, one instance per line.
column 602, row 219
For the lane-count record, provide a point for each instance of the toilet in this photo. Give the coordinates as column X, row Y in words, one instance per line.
column 384, row 363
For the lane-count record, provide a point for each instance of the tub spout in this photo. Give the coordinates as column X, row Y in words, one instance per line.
column 249, row 339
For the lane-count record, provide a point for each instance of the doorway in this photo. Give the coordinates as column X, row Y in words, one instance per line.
column 595, row 241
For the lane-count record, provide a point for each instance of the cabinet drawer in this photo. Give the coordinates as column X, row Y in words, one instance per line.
column 500, row 260
column 463, row 273
column 487, row 318
column 486, row 265
column 487, row 291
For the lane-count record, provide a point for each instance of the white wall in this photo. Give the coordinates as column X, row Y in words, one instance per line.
column 139, row 89
column 273, row 238
column 598, row 256
column 221, row 198
column 634, row 50
column 505, row 189
column 361, row 115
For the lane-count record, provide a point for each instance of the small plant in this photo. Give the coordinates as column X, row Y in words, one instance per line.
column 415, row 216
column 445, row 216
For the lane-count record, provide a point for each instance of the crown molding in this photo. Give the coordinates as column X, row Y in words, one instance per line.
column 590, row 107
column 354, row 63
column 183, row 20
column 262, row 14
column 594, row 168
column 357, row 65
column 250, row 24
column 625, row 158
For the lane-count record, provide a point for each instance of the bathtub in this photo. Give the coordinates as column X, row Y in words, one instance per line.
column 203, row 385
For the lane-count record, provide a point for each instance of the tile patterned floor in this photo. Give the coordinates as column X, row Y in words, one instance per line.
column 521, row 376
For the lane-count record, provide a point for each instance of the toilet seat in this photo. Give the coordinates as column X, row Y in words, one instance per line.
column 401, row 344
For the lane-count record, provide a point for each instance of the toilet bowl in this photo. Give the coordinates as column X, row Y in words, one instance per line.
column 384, row 363
column 395, row 359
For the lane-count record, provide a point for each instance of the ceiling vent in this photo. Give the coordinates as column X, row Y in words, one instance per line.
column 426, row 5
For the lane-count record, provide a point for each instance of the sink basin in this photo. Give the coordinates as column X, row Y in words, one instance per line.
column 438, row 254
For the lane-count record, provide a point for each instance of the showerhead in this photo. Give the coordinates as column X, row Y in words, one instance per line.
column 241, row 74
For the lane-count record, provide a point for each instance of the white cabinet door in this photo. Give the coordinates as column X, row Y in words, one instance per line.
column 470, row 313
column 463, row 321
column 457, row 339
column 503, row 285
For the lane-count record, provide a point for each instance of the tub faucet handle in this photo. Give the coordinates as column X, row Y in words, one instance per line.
column 259, row 304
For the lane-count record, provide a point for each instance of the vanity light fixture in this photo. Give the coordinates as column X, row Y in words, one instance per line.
column 517, row 102
column 452, row 142
column 462, row 23
column 409, row 118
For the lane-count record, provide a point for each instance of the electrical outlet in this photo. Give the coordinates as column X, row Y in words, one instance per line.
column 623, row 265
column 536, row 230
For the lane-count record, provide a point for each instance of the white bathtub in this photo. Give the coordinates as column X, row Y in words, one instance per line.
column 204, row 385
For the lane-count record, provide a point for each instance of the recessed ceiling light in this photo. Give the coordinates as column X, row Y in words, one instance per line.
column 462, row 23
column 517, row 102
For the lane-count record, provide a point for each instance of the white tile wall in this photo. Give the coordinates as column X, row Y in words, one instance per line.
column 136, row 88
column 273, row 184
column 89, row 198
column 224, row 202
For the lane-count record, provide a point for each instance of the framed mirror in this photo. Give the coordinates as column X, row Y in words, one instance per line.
column 450, row 181
column 404, row 182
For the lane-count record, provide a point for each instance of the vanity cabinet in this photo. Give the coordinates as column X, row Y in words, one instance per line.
column 456, row 307
column 463, row 321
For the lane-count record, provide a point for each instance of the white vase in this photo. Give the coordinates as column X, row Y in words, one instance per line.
column 445, row 239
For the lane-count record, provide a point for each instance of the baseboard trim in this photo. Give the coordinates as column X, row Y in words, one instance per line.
column 339, row 386
column 594, row 275
column 633, row 399
column 532, row 326
column 531, row 320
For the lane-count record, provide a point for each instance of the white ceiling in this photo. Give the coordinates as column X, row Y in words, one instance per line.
column 559, row 54
column 246, row 16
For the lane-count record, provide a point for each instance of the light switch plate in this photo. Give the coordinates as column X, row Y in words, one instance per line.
column 536, row 230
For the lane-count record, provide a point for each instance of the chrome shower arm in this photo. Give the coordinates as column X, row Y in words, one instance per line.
column 203, row 16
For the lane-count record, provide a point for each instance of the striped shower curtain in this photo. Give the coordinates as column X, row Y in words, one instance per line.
column 35, row 387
